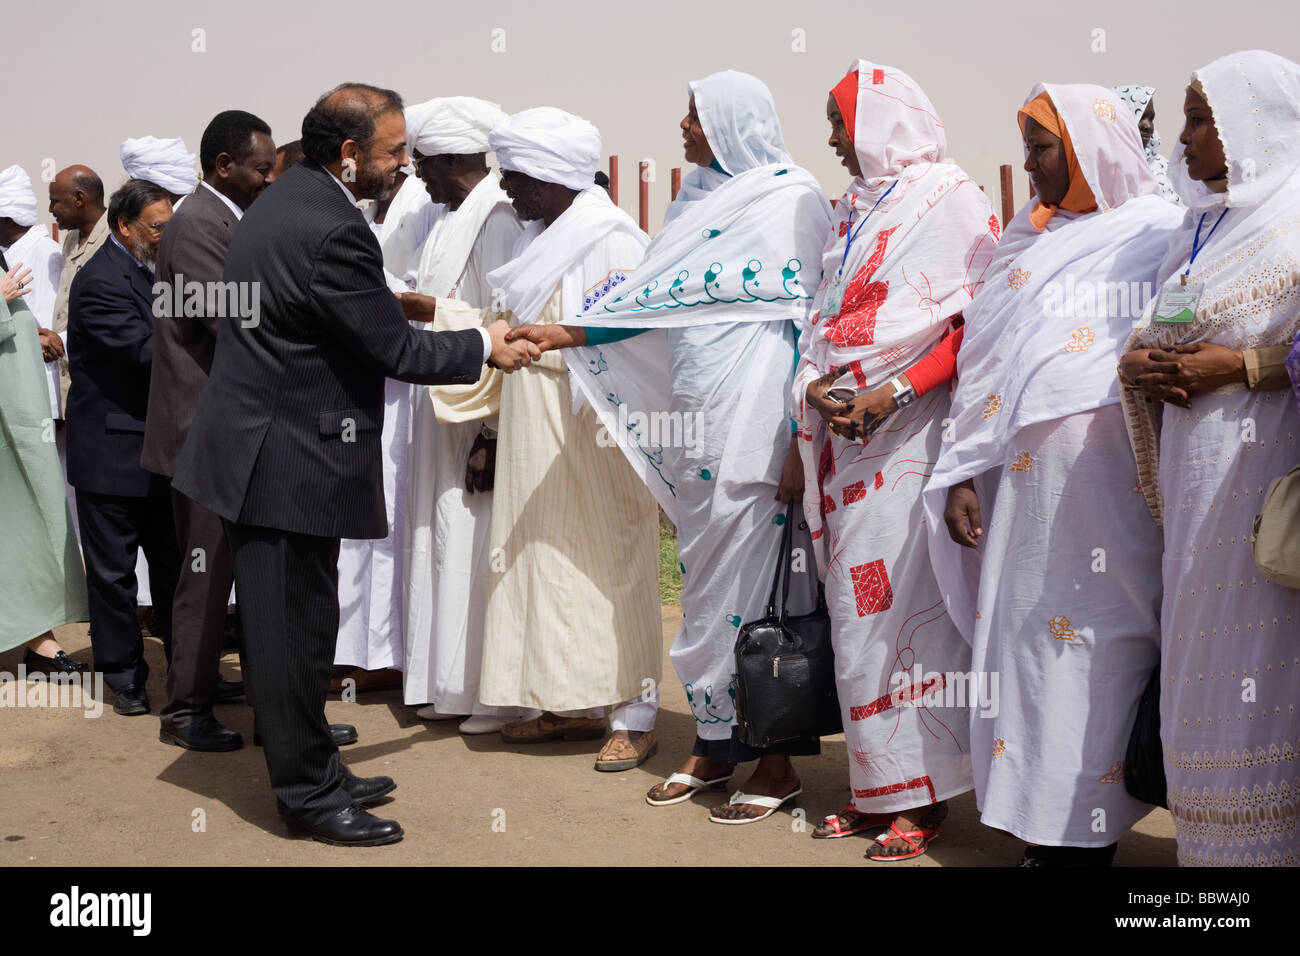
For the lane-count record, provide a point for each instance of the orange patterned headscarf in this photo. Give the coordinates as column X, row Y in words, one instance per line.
column 1079, row 196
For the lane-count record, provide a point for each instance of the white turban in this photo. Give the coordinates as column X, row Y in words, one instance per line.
column 163, row 162
column 550, row 145
column 453, row 125
column 17, row 200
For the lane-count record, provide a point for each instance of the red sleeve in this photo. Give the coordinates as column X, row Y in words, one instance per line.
column 939, row 367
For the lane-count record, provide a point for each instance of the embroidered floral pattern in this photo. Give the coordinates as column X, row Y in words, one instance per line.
column 1081, row 340
column 1024, row 462
column 992, row 405
column 999, row 748
column 1104, row 108
column 1059, row 627
column 1114, row 775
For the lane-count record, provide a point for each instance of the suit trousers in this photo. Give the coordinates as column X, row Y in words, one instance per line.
column 207, row 571
column 114, row 529
column 289, row 611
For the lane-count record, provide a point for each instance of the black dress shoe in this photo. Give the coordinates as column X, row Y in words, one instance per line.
column 227, row 690
column 352, row 826
column 130, row 701
column 60, row 663
column 341, row 734
column 207, row 735
column 366, row 790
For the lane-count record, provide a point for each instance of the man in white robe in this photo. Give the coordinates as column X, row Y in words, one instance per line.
column 573, row 608
column 24, row 240
column 453, row 427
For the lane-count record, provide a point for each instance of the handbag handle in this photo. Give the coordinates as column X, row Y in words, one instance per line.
column 783, row 566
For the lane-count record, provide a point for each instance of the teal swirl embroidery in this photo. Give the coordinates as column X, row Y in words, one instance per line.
column 654, row 454
column 682, row 295
column 710, row 716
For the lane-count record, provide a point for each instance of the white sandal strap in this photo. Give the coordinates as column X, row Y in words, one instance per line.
column 695, row 783
column 770, row 803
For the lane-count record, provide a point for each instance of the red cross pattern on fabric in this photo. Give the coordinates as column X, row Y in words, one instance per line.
column 877, row 77
column 871, row 587
column 994, row 227
column 856, row 324
column 854, row 492
column 828, row 504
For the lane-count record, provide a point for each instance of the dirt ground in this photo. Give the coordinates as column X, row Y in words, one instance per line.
column 86, row 792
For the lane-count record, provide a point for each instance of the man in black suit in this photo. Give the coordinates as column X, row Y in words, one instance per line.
column 285, row 444
column 121, row 507
column 237, row 156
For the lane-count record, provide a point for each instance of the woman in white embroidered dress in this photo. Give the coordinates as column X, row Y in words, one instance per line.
column 1212, row 424
column 720, row 288
column 1059, row 594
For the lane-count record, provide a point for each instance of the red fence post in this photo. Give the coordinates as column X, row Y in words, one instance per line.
column 613, row 179
column 643, row 203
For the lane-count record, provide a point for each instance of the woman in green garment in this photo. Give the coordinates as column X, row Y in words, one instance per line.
column 42, row 582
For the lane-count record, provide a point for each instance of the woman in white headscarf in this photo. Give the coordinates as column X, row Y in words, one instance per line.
column 725, row 280
column 1228, row 310
column 910, row 243
column 1142, row 103
column 1060, row 592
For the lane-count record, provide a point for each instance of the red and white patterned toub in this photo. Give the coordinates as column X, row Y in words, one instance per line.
column 908, row 271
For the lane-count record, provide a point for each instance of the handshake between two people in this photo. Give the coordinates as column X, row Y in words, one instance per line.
column 513, row 347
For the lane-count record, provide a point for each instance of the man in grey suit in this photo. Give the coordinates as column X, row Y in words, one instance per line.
column 237, row 156
column 285, row 444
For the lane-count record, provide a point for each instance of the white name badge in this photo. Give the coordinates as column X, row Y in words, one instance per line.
column 1177, row 305
column 834, row 298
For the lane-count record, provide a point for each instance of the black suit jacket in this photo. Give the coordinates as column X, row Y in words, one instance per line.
column 110, row 346
column 287, row 432
column 193, row 249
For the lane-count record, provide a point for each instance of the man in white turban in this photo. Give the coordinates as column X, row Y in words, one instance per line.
column 23, row 240
column 453, row 428
column 411, row 214
column 572, row 623
column 163, row 162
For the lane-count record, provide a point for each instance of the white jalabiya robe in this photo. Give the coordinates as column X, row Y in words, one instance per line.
column 733, row 266
column 913, row 265
column 573, row 607
column 371, row 571
column 1230, row 659
column 447, row 568
column 1060, row 599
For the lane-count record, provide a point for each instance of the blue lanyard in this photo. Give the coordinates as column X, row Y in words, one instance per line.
column 853, row 233
column 1197, row 245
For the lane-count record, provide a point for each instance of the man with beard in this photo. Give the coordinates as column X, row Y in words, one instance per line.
column 285, row 444
column 237, row 156
column 122, row 507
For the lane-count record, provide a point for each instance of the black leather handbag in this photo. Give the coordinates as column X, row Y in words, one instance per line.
column 1144, row 761
column 785, row 668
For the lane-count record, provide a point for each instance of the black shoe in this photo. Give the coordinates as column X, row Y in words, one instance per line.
column 341, row 734
column 366, row 790
column 130, row 701
column 60, row 663
column 206, row 735
column 352, row 826
column 227, row 690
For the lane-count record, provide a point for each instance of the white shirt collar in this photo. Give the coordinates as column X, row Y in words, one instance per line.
column 347, row 192
column 230, row 203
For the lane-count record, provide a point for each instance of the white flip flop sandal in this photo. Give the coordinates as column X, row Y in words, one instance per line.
column 695, row 783
column 772, row 803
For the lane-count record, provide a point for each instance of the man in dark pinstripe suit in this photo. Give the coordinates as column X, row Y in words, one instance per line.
column 285, row 443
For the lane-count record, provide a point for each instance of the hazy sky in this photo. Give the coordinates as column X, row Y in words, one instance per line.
column 83, row 75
